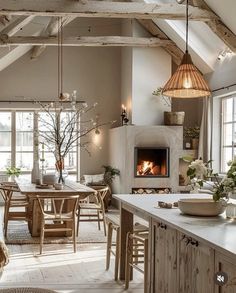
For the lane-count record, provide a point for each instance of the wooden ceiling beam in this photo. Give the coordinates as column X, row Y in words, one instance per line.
column 51, row 30
column 218, row 27
column 5, row 19
column 102, row 9
column 17, row 25
column 155, row 31
column 104, row 41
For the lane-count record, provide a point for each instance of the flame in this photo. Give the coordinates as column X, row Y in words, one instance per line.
column 146, row 167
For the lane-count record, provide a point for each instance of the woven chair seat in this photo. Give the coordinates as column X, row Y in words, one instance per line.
column 26, row 290
column 19, row 203
column 90, row 206
column 62, row 217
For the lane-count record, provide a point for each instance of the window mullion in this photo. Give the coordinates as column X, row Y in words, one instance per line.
column 13, row 138
column 233, row 128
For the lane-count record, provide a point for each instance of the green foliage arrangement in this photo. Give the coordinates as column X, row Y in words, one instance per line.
column 200, row 173
column 13, row 171
column 110, row 173
column 192, row 132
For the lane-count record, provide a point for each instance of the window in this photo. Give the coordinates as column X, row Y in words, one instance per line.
column 5, row 139
column 24, row 140
column 17, row 135
column 228, row 131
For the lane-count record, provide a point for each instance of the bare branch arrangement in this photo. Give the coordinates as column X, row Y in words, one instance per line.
column 61, row 130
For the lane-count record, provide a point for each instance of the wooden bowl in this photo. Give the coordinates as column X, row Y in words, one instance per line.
column 201, row 207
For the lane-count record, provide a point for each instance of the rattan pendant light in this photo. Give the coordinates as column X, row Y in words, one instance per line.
column 187, row 81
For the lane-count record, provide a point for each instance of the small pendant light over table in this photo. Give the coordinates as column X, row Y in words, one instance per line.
column 187, row 81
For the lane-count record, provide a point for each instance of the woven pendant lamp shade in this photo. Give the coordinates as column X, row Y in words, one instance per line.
column 186, row 82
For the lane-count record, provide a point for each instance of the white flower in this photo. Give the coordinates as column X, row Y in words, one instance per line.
column 228, row 184
column 200, row 168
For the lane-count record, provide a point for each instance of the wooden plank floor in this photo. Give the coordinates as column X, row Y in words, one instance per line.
column 62, row 270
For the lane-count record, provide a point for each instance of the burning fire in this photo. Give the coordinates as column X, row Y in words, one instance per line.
column 148, row 168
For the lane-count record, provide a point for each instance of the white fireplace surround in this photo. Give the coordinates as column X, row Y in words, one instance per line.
column 122, row 142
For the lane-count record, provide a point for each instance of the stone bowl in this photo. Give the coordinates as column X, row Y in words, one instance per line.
column 201, row 207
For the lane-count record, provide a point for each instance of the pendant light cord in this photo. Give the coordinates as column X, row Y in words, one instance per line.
column 58, row 58
column 187, row 26
column 61, row 56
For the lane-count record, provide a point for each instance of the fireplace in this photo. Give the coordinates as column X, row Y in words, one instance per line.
column 151, row 162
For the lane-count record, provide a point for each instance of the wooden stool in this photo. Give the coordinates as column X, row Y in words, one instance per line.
column 113, row 221
column 113, row 224
column 136, row 253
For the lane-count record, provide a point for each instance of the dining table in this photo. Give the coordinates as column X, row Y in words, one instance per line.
column 31, row 190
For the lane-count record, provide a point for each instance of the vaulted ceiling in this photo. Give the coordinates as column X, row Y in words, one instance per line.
column 205, row 45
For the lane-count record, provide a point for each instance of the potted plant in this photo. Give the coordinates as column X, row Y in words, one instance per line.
column 170, row 117
column 201, row 174
column 193, row 134
column 203, row 180
column 109, row 174
column 12, row 172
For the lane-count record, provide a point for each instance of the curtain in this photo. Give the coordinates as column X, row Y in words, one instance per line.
column 204, row 150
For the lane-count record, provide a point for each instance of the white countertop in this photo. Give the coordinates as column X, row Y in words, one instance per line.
column 217, row 232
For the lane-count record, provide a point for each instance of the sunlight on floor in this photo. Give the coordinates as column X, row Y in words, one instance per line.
column 60, row 269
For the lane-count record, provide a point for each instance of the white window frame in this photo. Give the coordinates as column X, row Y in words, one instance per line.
column 222, row 123
column 13, row 140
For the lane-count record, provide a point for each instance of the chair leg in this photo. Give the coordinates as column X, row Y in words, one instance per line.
column 109, row 243
column 74, row 235
column 99, row 225
column 117, row 256
column 41, row 236
column 135, row 251
column 78, row 218
column 6, row 215
column 104, row 223
column 146, row 266
column 128, row 259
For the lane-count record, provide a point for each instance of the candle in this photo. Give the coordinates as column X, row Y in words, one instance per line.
column 123, row 108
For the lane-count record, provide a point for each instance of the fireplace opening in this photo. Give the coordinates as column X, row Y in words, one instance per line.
column 151, row 162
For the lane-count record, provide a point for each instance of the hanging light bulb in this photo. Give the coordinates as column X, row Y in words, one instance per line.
column 187, row 81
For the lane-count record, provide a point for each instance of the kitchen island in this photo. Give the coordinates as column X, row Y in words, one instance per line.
column 186, row 254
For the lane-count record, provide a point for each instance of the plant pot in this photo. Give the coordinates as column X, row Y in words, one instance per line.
column 194, row 143
column 174, row 118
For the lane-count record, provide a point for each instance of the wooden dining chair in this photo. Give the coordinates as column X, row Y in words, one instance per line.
column 58, row 214
column 93, row 211
column 16, row 204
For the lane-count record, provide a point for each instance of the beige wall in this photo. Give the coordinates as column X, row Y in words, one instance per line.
column 143, row 70
column 94, row 72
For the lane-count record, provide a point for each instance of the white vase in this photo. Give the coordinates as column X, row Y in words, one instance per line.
column 232, row 194
column 35, row 173
column 231, row 211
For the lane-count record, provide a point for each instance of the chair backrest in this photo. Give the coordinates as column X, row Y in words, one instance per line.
column 58, row 206
column 7, row 191
column 101, row 193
